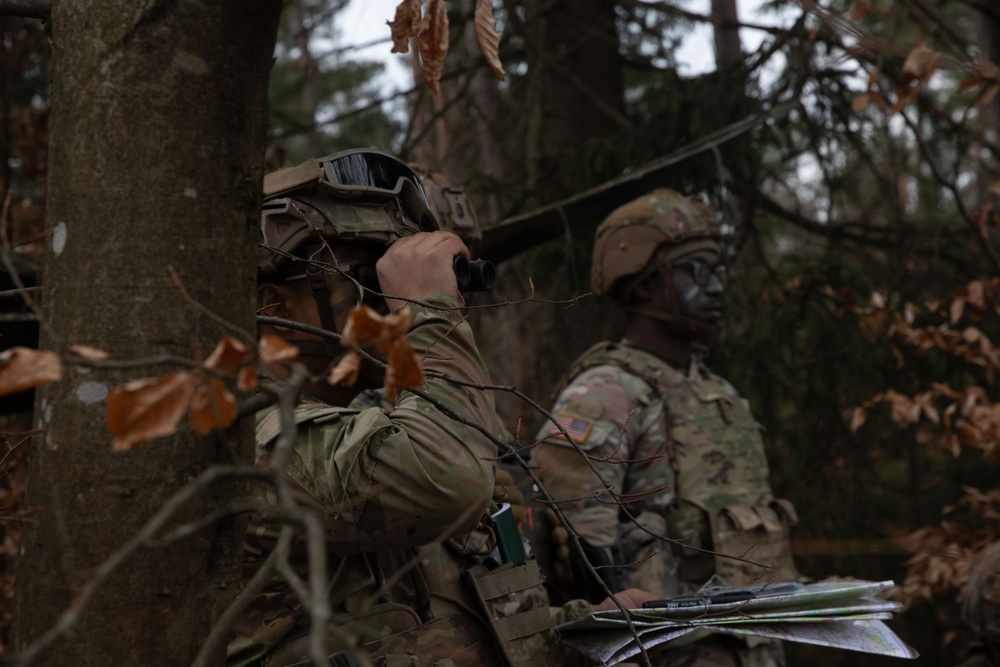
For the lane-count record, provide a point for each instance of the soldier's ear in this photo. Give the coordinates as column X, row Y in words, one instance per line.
column 643, row 292
column 271, row 301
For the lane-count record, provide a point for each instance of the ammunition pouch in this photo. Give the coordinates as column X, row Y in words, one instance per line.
column 517, row 609
column 759, row 534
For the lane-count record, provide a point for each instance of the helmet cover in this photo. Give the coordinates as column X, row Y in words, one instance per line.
column 626, row 241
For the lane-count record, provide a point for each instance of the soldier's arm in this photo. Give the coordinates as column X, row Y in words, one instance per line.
column 412, row 475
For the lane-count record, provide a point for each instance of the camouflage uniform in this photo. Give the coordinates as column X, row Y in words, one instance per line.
column 685, row 459
column 384, row 481
column 390, row 482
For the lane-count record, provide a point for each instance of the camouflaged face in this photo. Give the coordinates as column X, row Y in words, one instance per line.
column 627, row 239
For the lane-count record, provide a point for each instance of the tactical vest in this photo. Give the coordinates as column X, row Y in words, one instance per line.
column 453, row 608
column 723, row 499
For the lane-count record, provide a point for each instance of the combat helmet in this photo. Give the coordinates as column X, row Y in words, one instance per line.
column 355, row 195
column 627, row 240
column 981, row 606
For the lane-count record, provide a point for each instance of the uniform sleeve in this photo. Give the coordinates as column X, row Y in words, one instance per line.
column 413, row 474
column 620, row 426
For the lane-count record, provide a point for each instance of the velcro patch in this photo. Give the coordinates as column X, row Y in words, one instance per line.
column 577, row 427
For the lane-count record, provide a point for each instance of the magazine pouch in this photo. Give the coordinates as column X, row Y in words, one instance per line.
column 759, row 536
column 455, row 640
column 517, row 609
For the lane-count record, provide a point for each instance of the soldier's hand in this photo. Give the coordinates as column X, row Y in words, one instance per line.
column 418, row 266
column 630, row 598
column 506, row 491
column 562, row 568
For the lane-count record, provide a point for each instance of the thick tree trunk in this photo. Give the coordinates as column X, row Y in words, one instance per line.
column 158, row 131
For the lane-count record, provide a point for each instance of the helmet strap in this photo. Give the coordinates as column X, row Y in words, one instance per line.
column 321, row 292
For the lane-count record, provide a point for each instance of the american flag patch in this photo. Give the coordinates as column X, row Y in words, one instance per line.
column 577, row 427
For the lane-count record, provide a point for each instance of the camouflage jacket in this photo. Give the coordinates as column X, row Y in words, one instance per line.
column 384, row 481
column 684, row 456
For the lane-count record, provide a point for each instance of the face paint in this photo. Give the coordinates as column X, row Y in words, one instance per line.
column 698, row 302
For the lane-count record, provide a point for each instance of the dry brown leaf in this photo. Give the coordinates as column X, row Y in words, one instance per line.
column 246, row 380
column 212, row 406
column 404, row 25
column 956, row 309
column 366, row 327
column 346, row 371
column 858, row 417
column 146, row 409
column 227, row 355
column 87, row 352
column 861, row 9
column 920, row 64
column 972, row 82
column 388, row 334
column 403, row 370
column 433, row 42
column 275, row 348
column 487, row 36
column 23, row 368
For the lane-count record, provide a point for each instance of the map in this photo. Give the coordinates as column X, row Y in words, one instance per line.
column 839, row 614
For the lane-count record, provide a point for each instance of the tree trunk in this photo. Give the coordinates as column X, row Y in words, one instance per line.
column 575, row 89
column 158, row 134
column 728, row 52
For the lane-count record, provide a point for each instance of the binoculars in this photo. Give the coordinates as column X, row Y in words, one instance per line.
column 477, row 275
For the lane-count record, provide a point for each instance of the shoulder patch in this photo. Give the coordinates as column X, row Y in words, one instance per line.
column 578, row 428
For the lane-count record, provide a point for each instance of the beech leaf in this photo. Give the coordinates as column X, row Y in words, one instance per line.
column 23, row 368
column 246, row 380
column 146, row 409
column 920, row 64
column 404, row 25
column 346, row 371
column 487, row 36
column 433, row 42
column 212, row 406
column 87, row 352
column 403, row 371
column 388, row 334
column 228, row 355
column 275, row 348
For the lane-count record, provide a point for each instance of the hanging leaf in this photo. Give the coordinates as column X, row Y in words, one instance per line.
column 387, row 333
column 433, row 42
column 246, row 380
column 404, row 25
column 487, row 36
column 212, row 406
column 403, row 371
column 346, row 371
column 920, row 64
column 227, row 355
column 23, row 368
column 146, row 409
column 87, row 352
column 275, row 348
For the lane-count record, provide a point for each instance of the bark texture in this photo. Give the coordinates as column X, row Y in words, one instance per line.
column 158, row 131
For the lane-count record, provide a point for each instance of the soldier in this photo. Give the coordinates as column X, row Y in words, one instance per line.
column 389, row 482
column 661, row 446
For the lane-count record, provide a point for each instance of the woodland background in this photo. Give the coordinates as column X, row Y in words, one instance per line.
column 854, row 156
